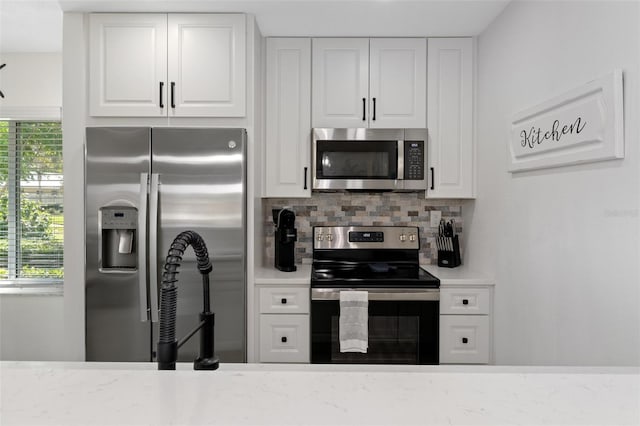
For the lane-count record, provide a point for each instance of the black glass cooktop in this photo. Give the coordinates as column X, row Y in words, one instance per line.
column 371, row 275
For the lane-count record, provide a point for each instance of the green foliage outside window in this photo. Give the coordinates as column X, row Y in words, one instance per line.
column 39, row 224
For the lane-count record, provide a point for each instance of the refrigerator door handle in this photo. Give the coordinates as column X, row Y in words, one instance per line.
column 153, row 246
column 142, row 247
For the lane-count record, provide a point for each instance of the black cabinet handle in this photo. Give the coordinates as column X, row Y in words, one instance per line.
column 305, row 177
column 374, row 109
column 465, row 301
column 364, row 109
column 161, row 93
column 432, row 174
column 283, row 301
column 173, row 94
column 465, row 340
column 283, row 339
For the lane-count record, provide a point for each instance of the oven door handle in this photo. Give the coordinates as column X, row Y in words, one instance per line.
column 431, row 294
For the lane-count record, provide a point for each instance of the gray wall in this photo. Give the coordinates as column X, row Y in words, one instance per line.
column 562, row 243
column 31, row 326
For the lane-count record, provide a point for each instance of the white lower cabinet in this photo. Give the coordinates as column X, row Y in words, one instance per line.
column 465, row 327
column 464, row 339
column 284, row 338
column 284, row 324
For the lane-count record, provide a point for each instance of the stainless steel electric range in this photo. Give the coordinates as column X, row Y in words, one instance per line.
column 403, row 310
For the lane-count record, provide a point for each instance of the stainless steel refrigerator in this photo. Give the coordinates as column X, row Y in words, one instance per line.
column 143, row 187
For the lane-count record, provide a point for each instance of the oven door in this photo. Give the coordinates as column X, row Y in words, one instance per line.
column 403, row 327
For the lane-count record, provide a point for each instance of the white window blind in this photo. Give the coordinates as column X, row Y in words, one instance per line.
column 31, row 216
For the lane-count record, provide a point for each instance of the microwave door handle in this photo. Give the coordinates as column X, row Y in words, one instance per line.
column 400, row 160
column 142, row 247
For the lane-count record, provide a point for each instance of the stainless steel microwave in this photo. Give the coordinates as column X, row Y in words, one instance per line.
column 369, row 159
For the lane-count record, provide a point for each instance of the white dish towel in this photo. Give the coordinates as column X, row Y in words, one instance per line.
column 354, row 319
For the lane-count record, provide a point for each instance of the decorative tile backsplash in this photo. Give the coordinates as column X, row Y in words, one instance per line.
column 361, row 209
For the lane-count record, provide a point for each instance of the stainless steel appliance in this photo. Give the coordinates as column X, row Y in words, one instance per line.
column 144, row 186
column 369, row 159
column 403, row 313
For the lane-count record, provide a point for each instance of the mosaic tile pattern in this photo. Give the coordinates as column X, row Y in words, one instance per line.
column 361, row 209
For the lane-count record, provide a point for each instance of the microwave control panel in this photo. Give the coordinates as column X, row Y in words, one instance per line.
column 414, row 160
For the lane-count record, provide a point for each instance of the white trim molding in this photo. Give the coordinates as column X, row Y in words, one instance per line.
column 49, row 113
column 580, row 126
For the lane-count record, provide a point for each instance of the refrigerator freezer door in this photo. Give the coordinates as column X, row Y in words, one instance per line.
column 202, row 188
column 115, row 159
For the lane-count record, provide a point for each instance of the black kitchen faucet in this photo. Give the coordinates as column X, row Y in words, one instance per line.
column 167, row 344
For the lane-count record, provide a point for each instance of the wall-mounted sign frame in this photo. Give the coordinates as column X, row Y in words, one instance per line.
column 581, row 126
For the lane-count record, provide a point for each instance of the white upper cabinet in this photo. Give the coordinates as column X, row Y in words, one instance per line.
column 398, row 83
column 361, row 82
column 288, row 118
column 340, row 82
column 450, row 118
column 150, row 65
column 207, row 65
column 128, row 64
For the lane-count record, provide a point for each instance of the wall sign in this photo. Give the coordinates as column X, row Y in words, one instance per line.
column 580, row 126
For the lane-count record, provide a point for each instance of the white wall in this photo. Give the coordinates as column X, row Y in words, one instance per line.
column 31, row 326
column 31, row 80
column 561, row 243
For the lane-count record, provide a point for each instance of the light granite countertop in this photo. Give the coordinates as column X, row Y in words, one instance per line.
column 460, row 275
column 269, row 275
column 258, row 394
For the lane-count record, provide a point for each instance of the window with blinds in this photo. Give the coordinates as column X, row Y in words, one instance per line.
column 31, row 188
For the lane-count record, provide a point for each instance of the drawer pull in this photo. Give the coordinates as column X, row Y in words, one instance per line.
column 283, row 301
column 465, row 301
column 283, row 339
column 465, row 340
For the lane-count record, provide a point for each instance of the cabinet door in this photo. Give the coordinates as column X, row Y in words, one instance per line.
column 340, row 87
column 207, row 65
column 398, row 83
column 284, row 300
column 464, row 339
column 449, row 117
column 128, row 65
column 284, row 338
column 465, row 301
column 288, row 118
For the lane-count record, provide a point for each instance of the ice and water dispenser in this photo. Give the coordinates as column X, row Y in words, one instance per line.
column 118, row 235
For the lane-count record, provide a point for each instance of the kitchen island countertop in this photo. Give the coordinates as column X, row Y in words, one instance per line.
column 261, row 394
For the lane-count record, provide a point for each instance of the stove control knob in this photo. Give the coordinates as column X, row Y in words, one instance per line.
column 412, row 237
column 403, row 237
column 320, row 237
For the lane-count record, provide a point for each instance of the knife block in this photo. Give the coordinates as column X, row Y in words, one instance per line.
column 450, row 258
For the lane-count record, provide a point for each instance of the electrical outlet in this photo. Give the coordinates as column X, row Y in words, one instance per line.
column 435, row 216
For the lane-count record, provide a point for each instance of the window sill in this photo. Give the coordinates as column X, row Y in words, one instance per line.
column 32, row 289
